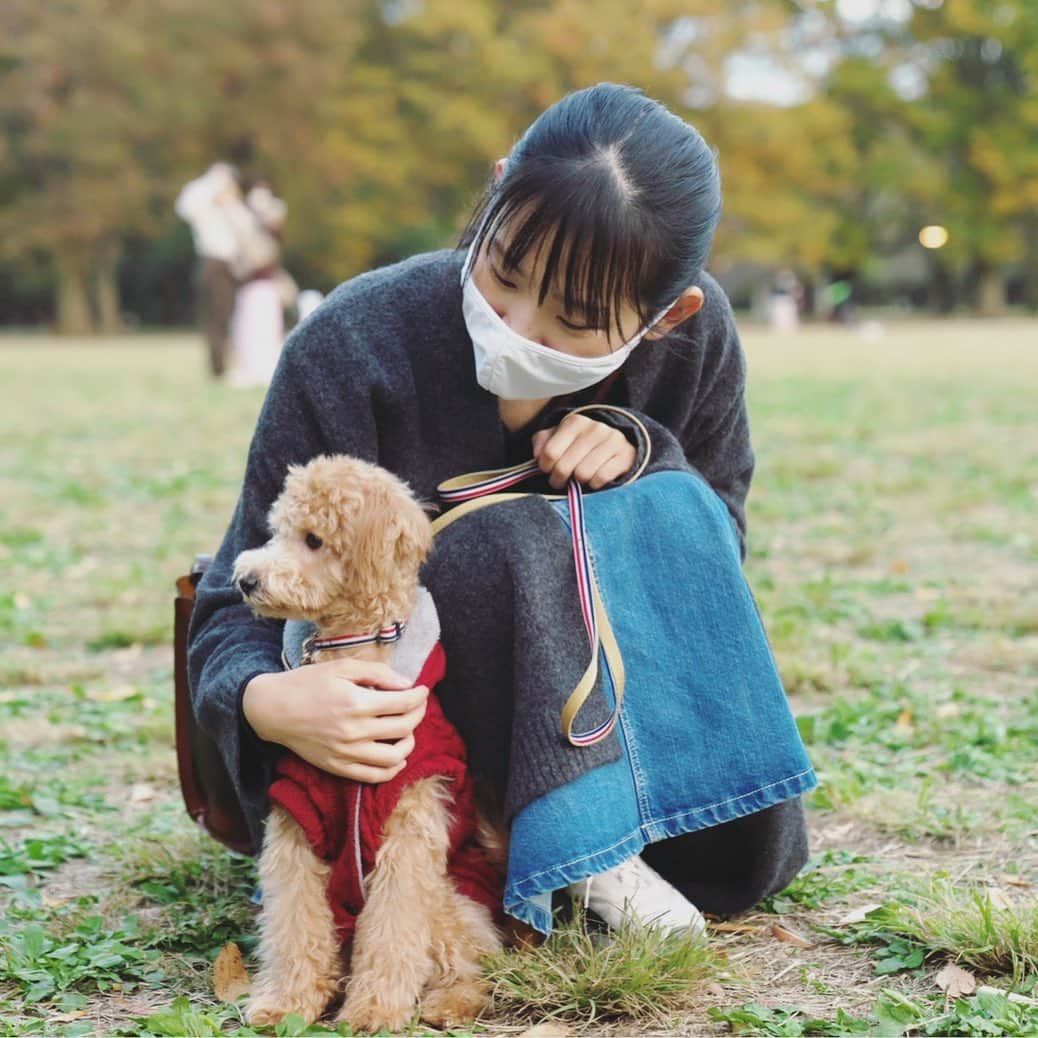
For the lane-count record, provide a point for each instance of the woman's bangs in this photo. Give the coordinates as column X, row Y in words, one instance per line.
column 596, row 269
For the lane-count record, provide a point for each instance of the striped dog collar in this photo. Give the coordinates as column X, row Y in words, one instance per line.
column 385, row 636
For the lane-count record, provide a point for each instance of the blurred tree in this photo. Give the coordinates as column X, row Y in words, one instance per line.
column 80, row 134
column 378, row 120
column 977, row 122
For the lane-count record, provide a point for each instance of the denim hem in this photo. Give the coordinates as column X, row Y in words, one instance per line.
column 519, row 895
column 526, row 908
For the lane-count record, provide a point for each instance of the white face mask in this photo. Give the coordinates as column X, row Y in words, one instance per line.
column 516, row 368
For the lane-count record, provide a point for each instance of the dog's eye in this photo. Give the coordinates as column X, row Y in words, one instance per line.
column 313, row 542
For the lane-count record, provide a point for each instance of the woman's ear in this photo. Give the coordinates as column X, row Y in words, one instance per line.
column 499, row 169
column 688, row 303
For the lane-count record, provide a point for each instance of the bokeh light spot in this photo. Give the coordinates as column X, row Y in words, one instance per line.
column 933, row 236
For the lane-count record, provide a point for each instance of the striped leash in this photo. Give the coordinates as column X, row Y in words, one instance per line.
column 477, row 490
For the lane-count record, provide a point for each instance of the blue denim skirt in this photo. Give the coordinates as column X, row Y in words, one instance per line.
column 705, row 725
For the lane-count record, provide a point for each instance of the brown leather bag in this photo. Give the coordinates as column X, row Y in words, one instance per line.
column 208, row 791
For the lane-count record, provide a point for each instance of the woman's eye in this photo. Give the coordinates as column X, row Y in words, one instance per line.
column 577, row 328
column 501, row 279
column 313, row 542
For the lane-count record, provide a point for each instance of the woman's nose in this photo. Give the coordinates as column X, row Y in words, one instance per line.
column 522, row 320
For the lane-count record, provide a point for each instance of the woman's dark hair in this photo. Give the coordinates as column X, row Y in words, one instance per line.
column 627, row 194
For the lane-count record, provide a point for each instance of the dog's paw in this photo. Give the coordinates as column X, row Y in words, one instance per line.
column 267, row 1008
column 461, row 1003
column 370, row 1014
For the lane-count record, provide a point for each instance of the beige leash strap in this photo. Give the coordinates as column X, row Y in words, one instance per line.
column 476, row 490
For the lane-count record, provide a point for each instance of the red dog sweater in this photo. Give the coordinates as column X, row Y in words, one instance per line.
column 343, row 819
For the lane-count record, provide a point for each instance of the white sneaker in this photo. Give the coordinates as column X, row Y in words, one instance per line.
column 633, row 889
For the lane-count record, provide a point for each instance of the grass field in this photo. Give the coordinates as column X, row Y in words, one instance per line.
column 894, row 553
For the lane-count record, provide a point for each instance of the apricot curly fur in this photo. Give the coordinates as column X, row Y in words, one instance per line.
column 417, row 940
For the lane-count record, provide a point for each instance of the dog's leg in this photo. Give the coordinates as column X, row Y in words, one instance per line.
column 392, row 945
column 464, row 932
column 300, row 963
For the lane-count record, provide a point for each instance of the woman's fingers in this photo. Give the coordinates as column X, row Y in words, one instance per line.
column 392, row 726
column 591, row 452
column 539, row 439
column 553, row 448
column 591, row 469
column 373, row 702
column 377, row 754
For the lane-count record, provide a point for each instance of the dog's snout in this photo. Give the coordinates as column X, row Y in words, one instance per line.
column 248, row 584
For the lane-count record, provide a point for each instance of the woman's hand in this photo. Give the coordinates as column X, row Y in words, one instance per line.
column 339, row 716
column 590, row 452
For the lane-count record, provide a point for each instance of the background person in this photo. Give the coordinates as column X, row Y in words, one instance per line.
column 204, row 204
column 784, row 305
column 257, row 324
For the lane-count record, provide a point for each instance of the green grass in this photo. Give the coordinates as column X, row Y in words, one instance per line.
column 592, row 977
column 967, row 924
column 894, row 554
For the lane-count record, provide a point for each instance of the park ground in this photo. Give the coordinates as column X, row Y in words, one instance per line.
column 894, row 555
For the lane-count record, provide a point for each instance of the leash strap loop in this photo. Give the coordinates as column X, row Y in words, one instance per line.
column 476, row 490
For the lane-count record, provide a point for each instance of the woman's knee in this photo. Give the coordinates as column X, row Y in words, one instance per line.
column 731, row 867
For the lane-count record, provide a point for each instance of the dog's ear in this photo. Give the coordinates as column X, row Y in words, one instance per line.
column 391, row 540
column 411, row 535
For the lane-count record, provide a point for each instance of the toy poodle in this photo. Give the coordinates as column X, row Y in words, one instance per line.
column 390, row 878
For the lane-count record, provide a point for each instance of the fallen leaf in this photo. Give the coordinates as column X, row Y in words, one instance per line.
column 142, row 793
column 115, row 694
column 230, row 979
column 927, row 594
column 955, row 982
column 549, row 1029
column 946, row 710
column 65, row 1018
column 21, row 600
column 899, row 566
column 714, row 990
column 1014, row 881
column 903, row 725
column 783, row 933
column 858, row 915
column 735, row 928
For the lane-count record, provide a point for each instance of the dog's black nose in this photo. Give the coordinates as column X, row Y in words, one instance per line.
column 247, row 584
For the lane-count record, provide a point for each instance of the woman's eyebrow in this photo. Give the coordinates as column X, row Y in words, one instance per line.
column 497, row 251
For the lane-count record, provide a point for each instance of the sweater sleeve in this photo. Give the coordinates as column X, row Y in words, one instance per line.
column 228, row 645
column 715, row 435
column 699, row 401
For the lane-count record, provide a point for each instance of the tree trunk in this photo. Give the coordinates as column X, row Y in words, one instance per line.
column 942, row 288
column 991, row 293
column 73, row 300
column 1030, row 286
column 108, row 308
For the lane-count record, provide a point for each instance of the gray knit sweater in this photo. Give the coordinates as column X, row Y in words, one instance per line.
column 383, row 370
